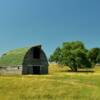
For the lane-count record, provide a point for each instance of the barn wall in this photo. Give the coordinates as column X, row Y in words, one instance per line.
column 11, row 70
column 29, row 62
column 27, row 70
column 44, row 63
column 44, row 70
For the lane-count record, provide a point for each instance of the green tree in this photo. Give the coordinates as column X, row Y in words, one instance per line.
column 75, row 55
column 55, row 57
column 93, row 55
column 72, row 54
column 98, row 59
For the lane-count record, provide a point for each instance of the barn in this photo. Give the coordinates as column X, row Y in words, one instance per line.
column 29, row 60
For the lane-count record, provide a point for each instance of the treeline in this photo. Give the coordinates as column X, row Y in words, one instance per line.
column 76, row 55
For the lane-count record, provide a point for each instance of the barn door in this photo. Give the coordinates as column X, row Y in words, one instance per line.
column 36, row 69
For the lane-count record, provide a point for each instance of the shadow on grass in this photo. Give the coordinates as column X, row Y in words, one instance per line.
column 80, row 71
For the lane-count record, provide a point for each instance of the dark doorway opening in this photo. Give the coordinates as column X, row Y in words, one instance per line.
column 36, row 69
column 36, row 52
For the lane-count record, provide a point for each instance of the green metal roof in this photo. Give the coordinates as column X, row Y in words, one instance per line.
column 14, row 57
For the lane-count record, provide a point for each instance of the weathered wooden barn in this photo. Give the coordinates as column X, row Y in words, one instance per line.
column 31, row 60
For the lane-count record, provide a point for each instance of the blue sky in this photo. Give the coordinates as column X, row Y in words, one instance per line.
column 48, row 22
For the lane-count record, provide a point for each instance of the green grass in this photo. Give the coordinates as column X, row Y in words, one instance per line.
column 58, row 85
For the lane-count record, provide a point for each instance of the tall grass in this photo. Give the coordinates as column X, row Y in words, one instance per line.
column 57, row 85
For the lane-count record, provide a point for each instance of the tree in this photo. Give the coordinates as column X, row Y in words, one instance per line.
column 98, row 59
column 93, row 55
column 56, row 55
column 73, row 54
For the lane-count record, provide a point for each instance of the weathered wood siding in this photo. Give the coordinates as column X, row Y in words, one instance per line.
column 29, row 62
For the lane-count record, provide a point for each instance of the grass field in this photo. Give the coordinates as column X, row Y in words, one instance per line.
column 58, row 85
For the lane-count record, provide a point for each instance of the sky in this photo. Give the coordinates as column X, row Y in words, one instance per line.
column 49, row 23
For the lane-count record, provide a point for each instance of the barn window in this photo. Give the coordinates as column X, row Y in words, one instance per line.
column 36, row 53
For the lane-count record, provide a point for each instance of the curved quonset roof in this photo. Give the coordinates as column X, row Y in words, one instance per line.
column 14, row 57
